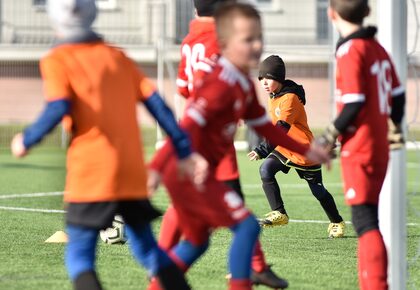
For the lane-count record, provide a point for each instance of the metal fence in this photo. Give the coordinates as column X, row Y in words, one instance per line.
column 138, row 22
column 151, row 30
column 125, row 22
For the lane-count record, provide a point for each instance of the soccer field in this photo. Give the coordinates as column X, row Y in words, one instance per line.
column 300, row 251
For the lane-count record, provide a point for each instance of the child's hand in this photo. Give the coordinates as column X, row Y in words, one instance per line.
column 195, row 167
column 319, row 153
column 395, row 136
column 17, row 147
column 253, row 156
column 153, row 181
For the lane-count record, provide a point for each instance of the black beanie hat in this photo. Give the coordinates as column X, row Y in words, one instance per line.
column 206, row 7
column 272, row 68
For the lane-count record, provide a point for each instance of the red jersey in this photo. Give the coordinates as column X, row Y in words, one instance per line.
column 365, row 73
column 199, row 44
column 220, row 100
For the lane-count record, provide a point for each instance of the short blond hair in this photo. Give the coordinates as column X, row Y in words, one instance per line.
column 226, row 13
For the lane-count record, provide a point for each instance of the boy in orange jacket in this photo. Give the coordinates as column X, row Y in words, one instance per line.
column 287, row 111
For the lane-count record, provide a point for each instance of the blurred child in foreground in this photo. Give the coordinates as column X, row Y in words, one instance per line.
column 98, row 87
column 201, row 44
column 222, row 97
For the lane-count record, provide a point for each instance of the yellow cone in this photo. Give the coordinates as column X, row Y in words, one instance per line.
column 58, row 237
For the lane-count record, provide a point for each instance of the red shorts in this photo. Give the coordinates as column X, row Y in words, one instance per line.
column 362, row 182
column 201, row 211
column 228, row 166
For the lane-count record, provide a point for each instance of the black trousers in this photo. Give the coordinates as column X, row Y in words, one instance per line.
column 275, row 163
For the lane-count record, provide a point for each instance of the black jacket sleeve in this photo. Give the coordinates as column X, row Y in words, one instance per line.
column 347, row 116
column 265, row 148
column 397, row 111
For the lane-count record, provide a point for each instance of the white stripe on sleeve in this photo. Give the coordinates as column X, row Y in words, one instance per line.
column 181, row 83
column 353, row 98
column 397, row 91
column 258, row 121
column 196, row 116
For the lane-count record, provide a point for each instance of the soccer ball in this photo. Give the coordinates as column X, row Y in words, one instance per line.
column 114, row 234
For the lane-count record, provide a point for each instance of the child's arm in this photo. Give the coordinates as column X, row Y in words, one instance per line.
column 340, row 124
column 395, row 135
column 162, row 113
column 196, row 166
column 182, row 81
column 52, row 115
column 265, row 148
column 166, row 119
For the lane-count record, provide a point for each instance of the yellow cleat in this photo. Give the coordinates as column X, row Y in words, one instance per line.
column 274, row 218
column 336, row 230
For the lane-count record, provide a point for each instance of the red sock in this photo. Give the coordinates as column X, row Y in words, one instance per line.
column 258, row 263
column 372, row 261
column 154, row 284
column 169, row 229
column 240, row 284
column 361, row 255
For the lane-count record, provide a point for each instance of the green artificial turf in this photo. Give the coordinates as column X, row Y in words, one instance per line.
column 300, row 251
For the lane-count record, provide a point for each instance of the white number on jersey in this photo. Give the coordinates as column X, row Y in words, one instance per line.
column 193, row 55
column 381, row 70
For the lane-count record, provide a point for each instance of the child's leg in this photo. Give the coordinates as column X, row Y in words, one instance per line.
column 146, row 251
column 314, row 179
column 327, row 202
column 80, row 257
column 235, row 184
column 170, row 233
column 372, row 256
column 268, row 170
column 242, row 248
column 258, row 263
column 262, row 273
column 184, row 255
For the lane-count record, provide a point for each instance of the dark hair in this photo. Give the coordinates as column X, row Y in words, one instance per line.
column 226, row 13
column 207, row 7
column 272, row 68
column 353, row 11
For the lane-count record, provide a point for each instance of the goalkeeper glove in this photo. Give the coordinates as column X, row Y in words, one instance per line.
column 327, row 140
column 395, row 136
column 329, row 137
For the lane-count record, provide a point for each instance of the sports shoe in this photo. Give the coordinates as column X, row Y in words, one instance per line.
column 336, row 230
column 269, row 279
column 274, row 218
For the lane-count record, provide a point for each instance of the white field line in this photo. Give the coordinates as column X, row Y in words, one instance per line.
column 63, row 211
column 409, row 145
column 293, row 185
column 305, row 185
column 57, row 193
column 31, row 209
column 24, row 195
